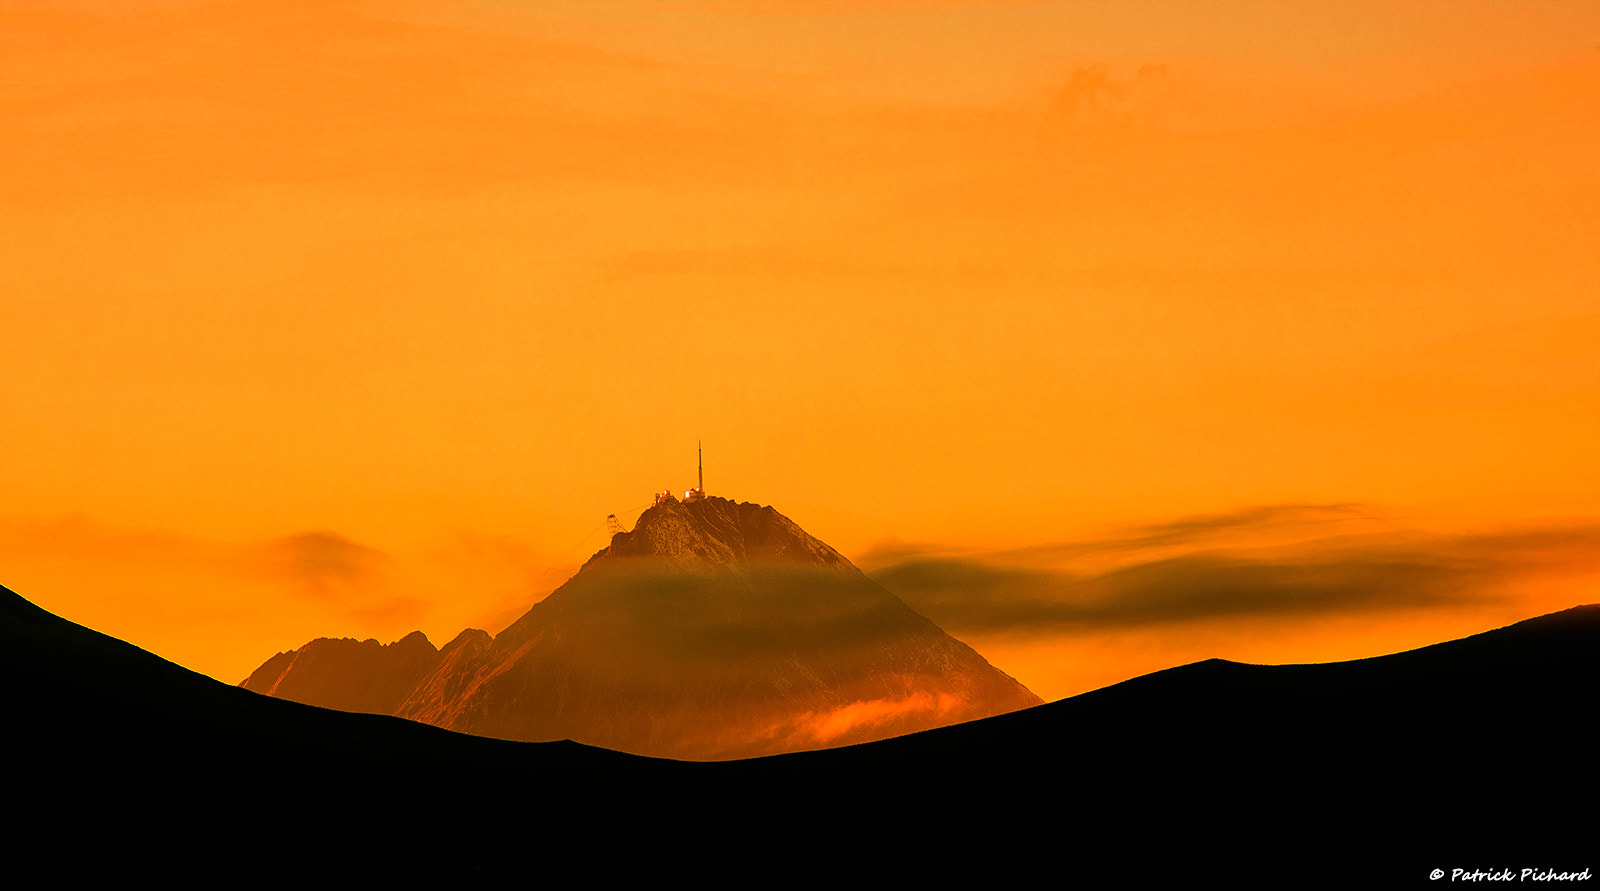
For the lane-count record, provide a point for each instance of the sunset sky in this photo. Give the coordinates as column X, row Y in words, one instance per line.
column 1111, row 334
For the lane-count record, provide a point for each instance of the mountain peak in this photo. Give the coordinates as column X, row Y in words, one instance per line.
column 709, row 532
column 714, row 629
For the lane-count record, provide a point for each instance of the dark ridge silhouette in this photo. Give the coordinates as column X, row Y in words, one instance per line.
column 1475, row 754
column 713, row 630
column 121, row 763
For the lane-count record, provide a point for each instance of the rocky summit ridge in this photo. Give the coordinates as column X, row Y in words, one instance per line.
column 714, row 629
column 711, row 531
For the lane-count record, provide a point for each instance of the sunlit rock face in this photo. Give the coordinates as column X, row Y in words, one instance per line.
column 713, row 630
column 347, row 674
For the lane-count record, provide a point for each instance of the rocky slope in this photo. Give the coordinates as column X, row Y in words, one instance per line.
column 347, row 674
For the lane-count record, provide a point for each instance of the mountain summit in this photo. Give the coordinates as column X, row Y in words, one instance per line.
column 708, row 532
column 713, row 630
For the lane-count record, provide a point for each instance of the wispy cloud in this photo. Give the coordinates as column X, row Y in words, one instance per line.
column 874, row 717
column 320, row 564
column 1270, row 562
column 221, row 606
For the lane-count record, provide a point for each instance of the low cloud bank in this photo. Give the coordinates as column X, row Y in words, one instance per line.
column 1274, row 561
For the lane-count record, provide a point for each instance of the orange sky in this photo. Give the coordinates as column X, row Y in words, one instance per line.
column 347, row 318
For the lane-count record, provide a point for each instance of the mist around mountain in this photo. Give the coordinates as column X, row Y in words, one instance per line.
column 1475, row 754
column 712, row 630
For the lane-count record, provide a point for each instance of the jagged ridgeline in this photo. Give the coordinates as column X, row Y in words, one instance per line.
column 714, row 629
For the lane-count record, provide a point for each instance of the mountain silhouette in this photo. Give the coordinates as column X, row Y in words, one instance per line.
column 1472, row 754
column 713, row 630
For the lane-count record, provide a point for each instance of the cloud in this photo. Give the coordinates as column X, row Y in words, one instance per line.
column 829, row 726
column 321, row 564
column 1272, row 524
column 1252, row 519
column 81, row 537
column 731, row 613
column 1262, row 562
column 1095, row 98
column 832, row 725
column 1258, row 526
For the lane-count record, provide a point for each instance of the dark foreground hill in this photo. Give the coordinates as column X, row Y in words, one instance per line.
column 713, row 630
column 1476, row 754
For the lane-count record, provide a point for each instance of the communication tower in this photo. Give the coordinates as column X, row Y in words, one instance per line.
column 699, row 491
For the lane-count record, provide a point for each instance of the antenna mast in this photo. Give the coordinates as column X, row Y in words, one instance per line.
column 700, row 455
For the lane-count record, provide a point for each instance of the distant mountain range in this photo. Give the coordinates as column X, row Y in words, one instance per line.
column 1475, row 754
column 713, row 630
